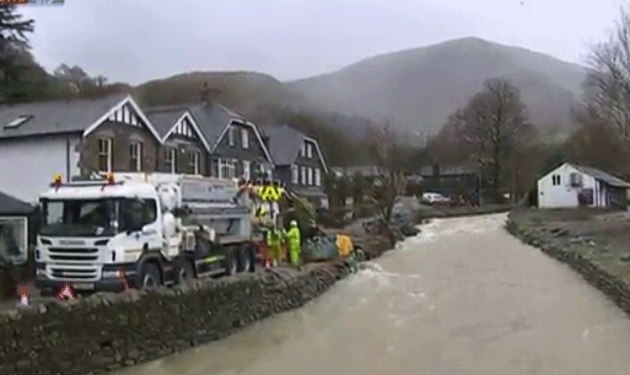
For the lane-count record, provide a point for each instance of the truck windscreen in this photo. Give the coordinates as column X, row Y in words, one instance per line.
column 77, row 217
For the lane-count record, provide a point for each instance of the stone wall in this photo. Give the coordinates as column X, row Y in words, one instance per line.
column 611, row 285
column 107, row 331
column 445, row 212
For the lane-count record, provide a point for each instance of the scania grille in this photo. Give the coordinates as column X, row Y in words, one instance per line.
column 73, row 273
column 73, row 254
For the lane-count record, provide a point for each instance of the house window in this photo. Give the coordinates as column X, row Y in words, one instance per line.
column 555, row 179
column 294, row 174
column 246, row 170
column 194, row 161
column 310, row 176
column 231, row 138
column 309, row 150
column 105, row 154
column 576, row 180
column 303, row 175
column 318, row 177
column 226, row 168
column 135, row 156
column 170, row 158
column 303, row 149
column 245, row 138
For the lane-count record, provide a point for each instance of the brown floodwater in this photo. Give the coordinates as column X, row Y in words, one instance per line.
column 463, row 297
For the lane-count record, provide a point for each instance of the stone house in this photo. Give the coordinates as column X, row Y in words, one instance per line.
column 73, row 138
column 236, row 148
column 298, row 162
column 184, row 147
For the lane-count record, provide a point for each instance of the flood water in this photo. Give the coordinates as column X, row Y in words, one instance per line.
column 463, row 297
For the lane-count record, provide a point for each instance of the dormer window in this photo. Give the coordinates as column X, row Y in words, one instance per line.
column 244, row 138
column 231, row 136
column 309, row 150
column 17, row 122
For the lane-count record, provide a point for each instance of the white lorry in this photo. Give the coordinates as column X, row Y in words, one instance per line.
column 137, row 230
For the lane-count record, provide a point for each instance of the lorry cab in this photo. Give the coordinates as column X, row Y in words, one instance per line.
column 93, row 233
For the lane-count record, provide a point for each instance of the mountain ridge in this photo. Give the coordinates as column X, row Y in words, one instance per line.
column 431, row 82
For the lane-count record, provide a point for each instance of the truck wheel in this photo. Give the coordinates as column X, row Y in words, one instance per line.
column 150, row 276
column 231, row 263
column 185, row 271
column 245, row 261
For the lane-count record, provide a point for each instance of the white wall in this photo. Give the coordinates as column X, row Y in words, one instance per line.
column 563, row 195
column 28, row 166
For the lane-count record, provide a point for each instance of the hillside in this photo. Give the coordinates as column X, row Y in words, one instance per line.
column 243, row 91
column 419, row 88
column 258, row 96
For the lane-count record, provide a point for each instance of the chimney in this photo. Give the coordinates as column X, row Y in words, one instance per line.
column 204, row 93
column 436, row 170
column 209, row 95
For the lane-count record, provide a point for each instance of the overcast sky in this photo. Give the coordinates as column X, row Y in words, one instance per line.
column 138, row 40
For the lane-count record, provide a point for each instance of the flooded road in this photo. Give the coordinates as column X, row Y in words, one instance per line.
column 463, row 297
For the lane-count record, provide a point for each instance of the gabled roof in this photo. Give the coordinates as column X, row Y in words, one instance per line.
column 602, row 176
column 65, row 116
column 285, row 144
column 166, row 119
column 13, row 206
column 58, row 116
column 214, row 119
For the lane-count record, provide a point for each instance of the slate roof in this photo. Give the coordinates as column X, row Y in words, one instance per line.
column 58, row 116
column 13, row 206
column 451, row 169
column 212, row 120
column 603, row 176
column 164, row 118
column 284, row 143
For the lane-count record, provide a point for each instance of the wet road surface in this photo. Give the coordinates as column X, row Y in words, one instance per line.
column 463, row 297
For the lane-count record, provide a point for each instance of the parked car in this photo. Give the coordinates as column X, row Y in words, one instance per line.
column 434, row 198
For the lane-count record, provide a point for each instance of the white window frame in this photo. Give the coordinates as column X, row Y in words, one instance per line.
column 228, row 165
column 303, row 149
column 245, row 138
column 246, row 169
column 295, row 174
column 318, row 177
column 231, row 137
column 135, row 151
column 22, row 225
column 310, row 176
column 303, row 179
column 554, row 178
column 171, row 159
column 309, row 150
column 194, row 161
column 107, row 153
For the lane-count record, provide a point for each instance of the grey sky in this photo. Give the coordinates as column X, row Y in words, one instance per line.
column 137, row 40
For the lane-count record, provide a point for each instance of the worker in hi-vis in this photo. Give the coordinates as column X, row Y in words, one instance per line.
column 293, row 242
column 273, row 241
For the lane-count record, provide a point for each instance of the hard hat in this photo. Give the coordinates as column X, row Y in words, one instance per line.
column 293, row 223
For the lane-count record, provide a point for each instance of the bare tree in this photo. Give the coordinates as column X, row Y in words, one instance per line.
column 607, row 87
column 390, row 159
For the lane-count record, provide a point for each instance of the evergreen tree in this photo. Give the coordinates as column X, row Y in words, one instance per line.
column 16, row 63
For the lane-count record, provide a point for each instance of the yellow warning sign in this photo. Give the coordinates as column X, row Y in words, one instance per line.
column 270, row 193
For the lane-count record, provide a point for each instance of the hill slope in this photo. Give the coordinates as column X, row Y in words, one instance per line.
column 419, row 88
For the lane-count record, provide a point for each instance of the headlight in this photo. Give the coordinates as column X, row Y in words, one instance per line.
column 40, row 272
column 112, row 274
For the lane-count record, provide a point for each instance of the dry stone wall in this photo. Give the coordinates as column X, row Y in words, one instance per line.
column 107, row 331
column 610, row 284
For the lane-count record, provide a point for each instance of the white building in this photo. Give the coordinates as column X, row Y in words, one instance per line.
column 571, row 185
